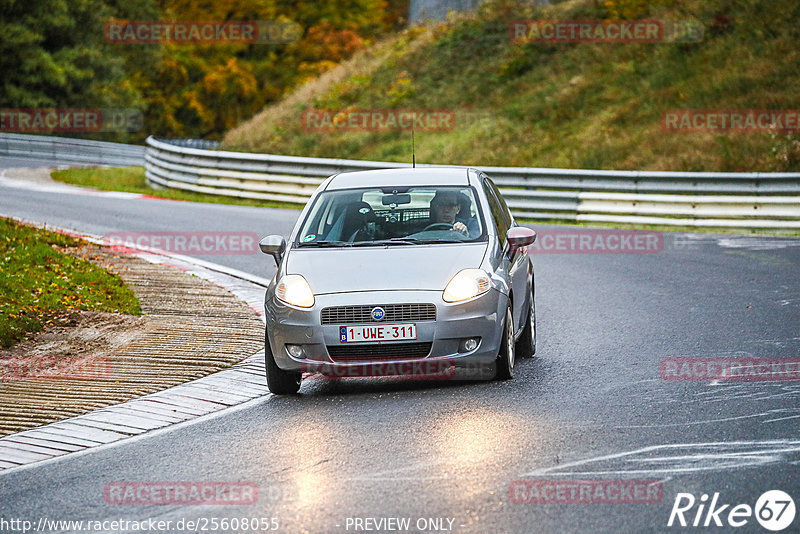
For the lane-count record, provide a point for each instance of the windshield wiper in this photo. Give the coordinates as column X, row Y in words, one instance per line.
column 420, row 241
column 378, row 243
column 384, row 242
column 409, row 241
column 322, row 244
column 336, row 244
column 441, row 240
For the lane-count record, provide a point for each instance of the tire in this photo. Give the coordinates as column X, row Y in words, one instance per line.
column 526, row 344
column 279, row 382
column 504, row 365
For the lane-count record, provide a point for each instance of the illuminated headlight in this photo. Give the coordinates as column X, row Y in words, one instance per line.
column 293, row 289
column 466, row 284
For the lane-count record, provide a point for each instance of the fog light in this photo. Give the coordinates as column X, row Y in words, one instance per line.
column 295, row 351
column 470, row 344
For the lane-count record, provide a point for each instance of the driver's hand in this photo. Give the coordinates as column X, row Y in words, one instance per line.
column 461, row 227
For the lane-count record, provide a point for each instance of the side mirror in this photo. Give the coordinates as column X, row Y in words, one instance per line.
column 274, row 245
column 519, row 237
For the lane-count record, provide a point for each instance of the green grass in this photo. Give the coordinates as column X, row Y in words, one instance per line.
column 581, row 105
column 132, row 180
column 39, row 282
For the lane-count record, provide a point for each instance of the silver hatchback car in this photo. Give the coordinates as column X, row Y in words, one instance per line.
column 408, row 272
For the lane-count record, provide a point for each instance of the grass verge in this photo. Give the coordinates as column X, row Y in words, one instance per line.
column 132, row 180
column 40, row 282
column 564, row 105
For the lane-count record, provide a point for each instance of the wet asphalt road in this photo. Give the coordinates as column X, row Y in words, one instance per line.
column 590, row 406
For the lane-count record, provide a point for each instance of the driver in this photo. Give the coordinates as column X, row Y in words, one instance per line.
column 444, row 208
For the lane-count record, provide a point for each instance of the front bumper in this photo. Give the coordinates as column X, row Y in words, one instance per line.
column 475, row 318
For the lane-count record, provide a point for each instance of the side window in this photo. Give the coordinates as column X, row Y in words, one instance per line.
column 508, row 216
column 499, row 214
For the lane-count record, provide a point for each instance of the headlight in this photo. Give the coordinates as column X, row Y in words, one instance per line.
column 293, row 289
column 466, row 284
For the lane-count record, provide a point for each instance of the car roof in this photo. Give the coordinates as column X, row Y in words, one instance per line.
column 404, row 177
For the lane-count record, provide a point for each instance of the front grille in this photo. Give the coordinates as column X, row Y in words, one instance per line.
column 385, row 351
column 395, row 313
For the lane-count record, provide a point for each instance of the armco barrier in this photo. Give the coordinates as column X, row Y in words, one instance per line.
column 70, row 151
column 735, row 200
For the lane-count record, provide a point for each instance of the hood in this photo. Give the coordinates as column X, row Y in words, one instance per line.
column 418, row 267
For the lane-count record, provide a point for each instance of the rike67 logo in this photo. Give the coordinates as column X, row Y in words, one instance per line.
column 774, row 510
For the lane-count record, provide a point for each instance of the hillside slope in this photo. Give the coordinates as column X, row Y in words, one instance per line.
column 572, row 105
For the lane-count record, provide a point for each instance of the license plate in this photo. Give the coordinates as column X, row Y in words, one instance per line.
column 378, row 332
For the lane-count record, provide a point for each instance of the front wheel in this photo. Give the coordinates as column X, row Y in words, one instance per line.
column 504, row 365
column 279, row 382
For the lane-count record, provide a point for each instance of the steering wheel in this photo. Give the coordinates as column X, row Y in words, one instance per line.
column 438, row 226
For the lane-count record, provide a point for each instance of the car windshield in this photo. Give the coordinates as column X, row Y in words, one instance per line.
column 394, row 216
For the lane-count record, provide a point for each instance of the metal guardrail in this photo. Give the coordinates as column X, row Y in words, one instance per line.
column 71, row 151
column 736, row 200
